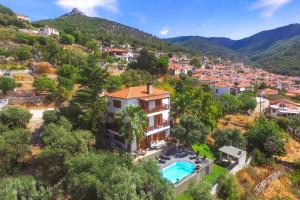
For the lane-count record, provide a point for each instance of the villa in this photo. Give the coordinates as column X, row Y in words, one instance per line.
column 123, row 54
column 155, row 102
column 47, row 31
column 23, row 18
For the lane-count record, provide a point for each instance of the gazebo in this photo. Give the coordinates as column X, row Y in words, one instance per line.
column 232, row 156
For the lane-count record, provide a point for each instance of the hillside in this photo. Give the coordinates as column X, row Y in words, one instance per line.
column 108, row 31
column 276, row 50
column 204, row 46
column 282, row 57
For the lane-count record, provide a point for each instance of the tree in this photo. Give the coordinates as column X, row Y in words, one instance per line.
column 132, row 78
column 145, row 61
column 191, row 97
column 61, row 143
column 92, row 176
column 229, row 137
column 267, row 136
column 228, row 188
column 162, row 65
column 133, row 121
column 229, row 103
column 50, row 116
column 67, row 39
column 7, row 84
column 14, row 147
column 15, row 117
column 196, row 61
column 200, row 191
column 23, row 187
column 52, row 51
column 190, row 130
column 24, row 53
column 114, row 83
column 44, row 84
column 248, row 101
column 87, row 109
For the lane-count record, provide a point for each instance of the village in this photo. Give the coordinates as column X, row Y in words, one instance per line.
column 189, row 113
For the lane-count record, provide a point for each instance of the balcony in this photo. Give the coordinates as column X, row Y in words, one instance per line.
column 157, row 109
column 165, row 123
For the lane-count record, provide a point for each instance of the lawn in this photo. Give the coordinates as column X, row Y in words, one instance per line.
column 211, row 179
column 203, row 149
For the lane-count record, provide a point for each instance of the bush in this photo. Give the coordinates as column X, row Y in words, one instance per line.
column 228, row 188
column 259, row 159
column 200, row 191
column 7, row 84
column 15, row 117
column 44, row 84
column 24, row 53
column 50, row 116
column 67, row 39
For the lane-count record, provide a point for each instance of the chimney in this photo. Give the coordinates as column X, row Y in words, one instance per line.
column 149, row 88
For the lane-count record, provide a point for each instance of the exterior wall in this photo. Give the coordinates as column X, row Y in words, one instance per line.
column 222, row 90
column 151, row 116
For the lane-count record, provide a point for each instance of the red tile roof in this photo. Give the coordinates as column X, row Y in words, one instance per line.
column 139, row 92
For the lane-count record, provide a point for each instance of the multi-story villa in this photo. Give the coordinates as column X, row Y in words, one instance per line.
column 155, row 102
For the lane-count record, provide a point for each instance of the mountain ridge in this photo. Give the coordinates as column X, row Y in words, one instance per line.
column 257, row 48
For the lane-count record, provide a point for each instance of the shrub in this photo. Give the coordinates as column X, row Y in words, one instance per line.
column 15, row 117
column 24, row 53
column 50, row 116
column 259, row 159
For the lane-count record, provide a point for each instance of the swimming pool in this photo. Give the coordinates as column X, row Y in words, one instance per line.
column 177, row 171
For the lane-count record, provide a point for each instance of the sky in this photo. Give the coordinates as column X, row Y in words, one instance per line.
column 234, row 19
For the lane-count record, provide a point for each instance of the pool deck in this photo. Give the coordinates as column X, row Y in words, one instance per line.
column 173, row 160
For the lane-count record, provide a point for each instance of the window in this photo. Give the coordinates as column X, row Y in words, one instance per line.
column 117, row 103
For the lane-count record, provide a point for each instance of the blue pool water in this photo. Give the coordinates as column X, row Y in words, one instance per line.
column 177, row 171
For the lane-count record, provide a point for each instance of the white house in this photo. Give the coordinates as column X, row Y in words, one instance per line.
column 224, row 88
column 285, row 108
column 177, row 69
column 123, row 54
column 47, row 31
column 154, row 101
column 23, row 18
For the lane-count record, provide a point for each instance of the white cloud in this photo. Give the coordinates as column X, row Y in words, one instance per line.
column 164, row 31
column 269, row 7
column 88, row 6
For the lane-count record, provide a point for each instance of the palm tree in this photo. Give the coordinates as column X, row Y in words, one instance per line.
column 133, row 122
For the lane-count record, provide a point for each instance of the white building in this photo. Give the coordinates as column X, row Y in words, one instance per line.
column 224, row 88
column 47, row 31
column 154, row 101
column 23, row 18
column 177, row 69
column 285, row 108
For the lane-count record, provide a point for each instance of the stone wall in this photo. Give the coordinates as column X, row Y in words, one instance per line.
column 26, row 100
column 195, row 177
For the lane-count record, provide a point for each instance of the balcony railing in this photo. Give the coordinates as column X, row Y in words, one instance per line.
column 157, row 109
column 158, row 126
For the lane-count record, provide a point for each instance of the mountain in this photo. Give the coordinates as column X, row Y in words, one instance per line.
column 74, row 12
column 107, row 31
column 207, row 47
column 276, row 50
column 282, row 57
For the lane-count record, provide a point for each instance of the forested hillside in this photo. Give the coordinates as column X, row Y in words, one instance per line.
column 108, row 31
column 206, row 47
column 276, row 50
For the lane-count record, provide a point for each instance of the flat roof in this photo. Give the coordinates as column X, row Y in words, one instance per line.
column 233, row 151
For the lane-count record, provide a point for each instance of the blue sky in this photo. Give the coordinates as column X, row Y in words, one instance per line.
column 168, row 18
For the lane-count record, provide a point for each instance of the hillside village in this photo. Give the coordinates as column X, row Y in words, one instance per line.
column 74, row 102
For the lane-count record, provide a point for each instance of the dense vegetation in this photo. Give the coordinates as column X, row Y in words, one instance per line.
column 276, row 50
column 108, row 32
